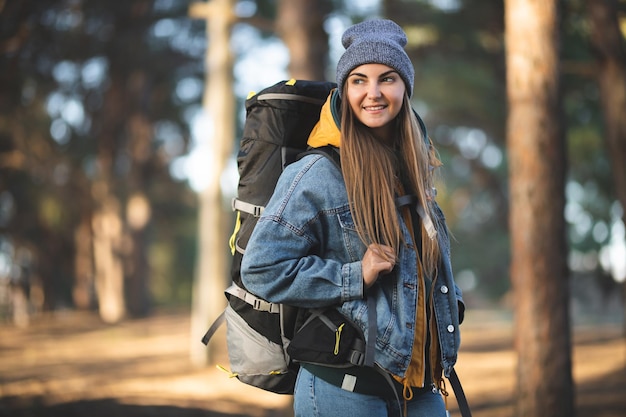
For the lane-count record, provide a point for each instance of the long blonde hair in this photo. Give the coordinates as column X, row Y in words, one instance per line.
column 372, row 169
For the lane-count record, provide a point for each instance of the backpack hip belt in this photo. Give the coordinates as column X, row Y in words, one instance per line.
column 257, row 303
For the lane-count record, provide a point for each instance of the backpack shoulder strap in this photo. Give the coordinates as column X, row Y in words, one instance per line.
column 329, row 151
column 459, row 394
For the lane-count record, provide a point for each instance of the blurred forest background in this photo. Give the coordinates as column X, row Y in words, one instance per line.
column 105, row 163
column 103, row 157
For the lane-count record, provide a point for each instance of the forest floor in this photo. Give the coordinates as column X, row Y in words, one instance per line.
column 73, row 365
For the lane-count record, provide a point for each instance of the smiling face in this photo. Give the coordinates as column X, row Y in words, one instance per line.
column 375, row 93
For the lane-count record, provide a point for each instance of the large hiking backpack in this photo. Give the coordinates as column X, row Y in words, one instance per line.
column 278, row 122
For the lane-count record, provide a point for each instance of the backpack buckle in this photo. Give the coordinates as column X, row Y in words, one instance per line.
column 357, row 358
column 261, row 305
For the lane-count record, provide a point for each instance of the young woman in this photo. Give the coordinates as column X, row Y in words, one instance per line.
column 334, row 238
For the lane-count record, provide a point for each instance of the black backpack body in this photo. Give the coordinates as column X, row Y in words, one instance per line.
column 279, row 120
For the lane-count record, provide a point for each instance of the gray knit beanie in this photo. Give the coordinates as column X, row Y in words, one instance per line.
column 378, row 41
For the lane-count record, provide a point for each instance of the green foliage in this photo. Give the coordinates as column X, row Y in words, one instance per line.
column 460, row 90
column 97, row 95
column 591, row 193
column 94, row 90
column 458, row 52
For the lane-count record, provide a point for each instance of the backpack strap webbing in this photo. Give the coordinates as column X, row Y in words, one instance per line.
column 370, row 344
column 257, row 303
column 253, row 209
column 289, row 96
column 459, row 394
column 216, row 324
column 329, row 151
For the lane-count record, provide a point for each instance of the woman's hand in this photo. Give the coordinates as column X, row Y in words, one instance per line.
column 377, row 259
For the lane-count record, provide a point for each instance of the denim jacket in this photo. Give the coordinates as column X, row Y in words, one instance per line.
column 305, row 251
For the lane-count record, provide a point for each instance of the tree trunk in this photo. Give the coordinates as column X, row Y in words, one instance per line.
column 82, row 291
column 109, row 243
column 607, row 42
column 138, row 215
column 537, row 166
column 212, row 275
column 300, row 25
column 107, row 240
column 138, row 212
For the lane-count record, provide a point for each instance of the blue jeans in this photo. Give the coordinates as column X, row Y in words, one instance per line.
column 315, row 397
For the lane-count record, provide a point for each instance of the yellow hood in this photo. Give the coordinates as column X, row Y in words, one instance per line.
column 325, row 132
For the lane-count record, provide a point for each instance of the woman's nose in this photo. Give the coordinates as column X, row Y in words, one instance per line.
column 373, row 90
